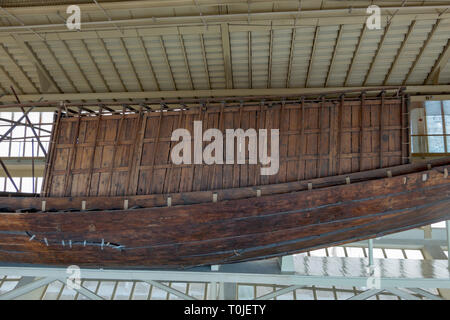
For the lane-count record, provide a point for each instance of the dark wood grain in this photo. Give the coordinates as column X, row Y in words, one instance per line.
column 317, row 139
column 229, row 230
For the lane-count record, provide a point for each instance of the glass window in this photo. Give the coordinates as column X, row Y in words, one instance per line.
column 429, row 133
column 22, row 142
column 436, row 144
column 434, row 117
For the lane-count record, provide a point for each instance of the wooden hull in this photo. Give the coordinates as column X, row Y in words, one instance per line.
column 228, row 231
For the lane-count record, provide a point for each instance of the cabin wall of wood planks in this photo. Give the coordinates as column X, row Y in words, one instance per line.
column 129, row 154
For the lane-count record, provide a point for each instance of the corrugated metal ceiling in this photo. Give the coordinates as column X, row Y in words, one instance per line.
column 207, row 44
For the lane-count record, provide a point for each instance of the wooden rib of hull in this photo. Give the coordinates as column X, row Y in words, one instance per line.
column 228, row 231
column 130, row 154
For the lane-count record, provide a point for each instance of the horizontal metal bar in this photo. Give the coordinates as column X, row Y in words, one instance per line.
column 21, row 167
column 53, row 99
column 26, row 288
column 233, row 277
column 425, row 293
column 170, row 290
column 82, row 290
column 366, row 294
column 352, row 16
column 279, row 292
column 402, row 294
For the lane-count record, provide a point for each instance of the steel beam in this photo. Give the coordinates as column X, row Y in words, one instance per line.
column 35, row 294
column 355, row 54
column 107, row 96
column 440, row 64
column 186, row 61
column 60, row 67
column 333, row 57
column 166, row 59
column 425, row 294
column 312, row 54
column 82, row 290
column 370, row 252
column 15, row 293
column 447, row 225
column 226, row 50
column 205, row 60
column 400, row 52
column 291, row 57
column 18, row 122
column 30, row 123
column 366, row 294
column 237, row 276
column 422, row 50
column 6, row 53
column 130, row 62
column 379, row 48
column 21, row 166
column 91, row 59
column 170, row 290
column 5, row 169
column 149, row 62
column 402, row 294
column 279, row 292
column 112, row 63
column 304, row 17
column 229, row 291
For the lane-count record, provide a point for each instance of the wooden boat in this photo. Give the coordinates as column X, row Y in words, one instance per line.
column 111, row 197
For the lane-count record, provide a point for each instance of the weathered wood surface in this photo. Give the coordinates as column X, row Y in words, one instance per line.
column 228, row 231
column 11, row 202
column 118, row 155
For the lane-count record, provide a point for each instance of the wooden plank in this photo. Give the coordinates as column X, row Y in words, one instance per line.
column 133, row 173
column 361, row 133
column 64, row 203
column 171, row 170
column 46, row 184
column 302, row 139
column 216, row 179
column 91, row 162
column 319, row 140
column 381, row 129
column 72, row 154
column 333, row 139
column 155, row 151
column 114, row 151
column 323, row 138
column 231, row 231
column 339, row 135
column 405, row 130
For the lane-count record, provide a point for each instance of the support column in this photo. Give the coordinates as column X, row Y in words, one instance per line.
column 32, row 295
column 212, row 292
column 447, row 224
column 435, row 252
column 370, row 252
column 230, row 291
column 26, row 288
column 287, row 263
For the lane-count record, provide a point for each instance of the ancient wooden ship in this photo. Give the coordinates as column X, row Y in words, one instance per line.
column 112, row 198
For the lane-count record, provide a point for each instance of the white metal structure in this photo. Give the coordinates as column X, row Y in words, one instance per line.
column 345, row 277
